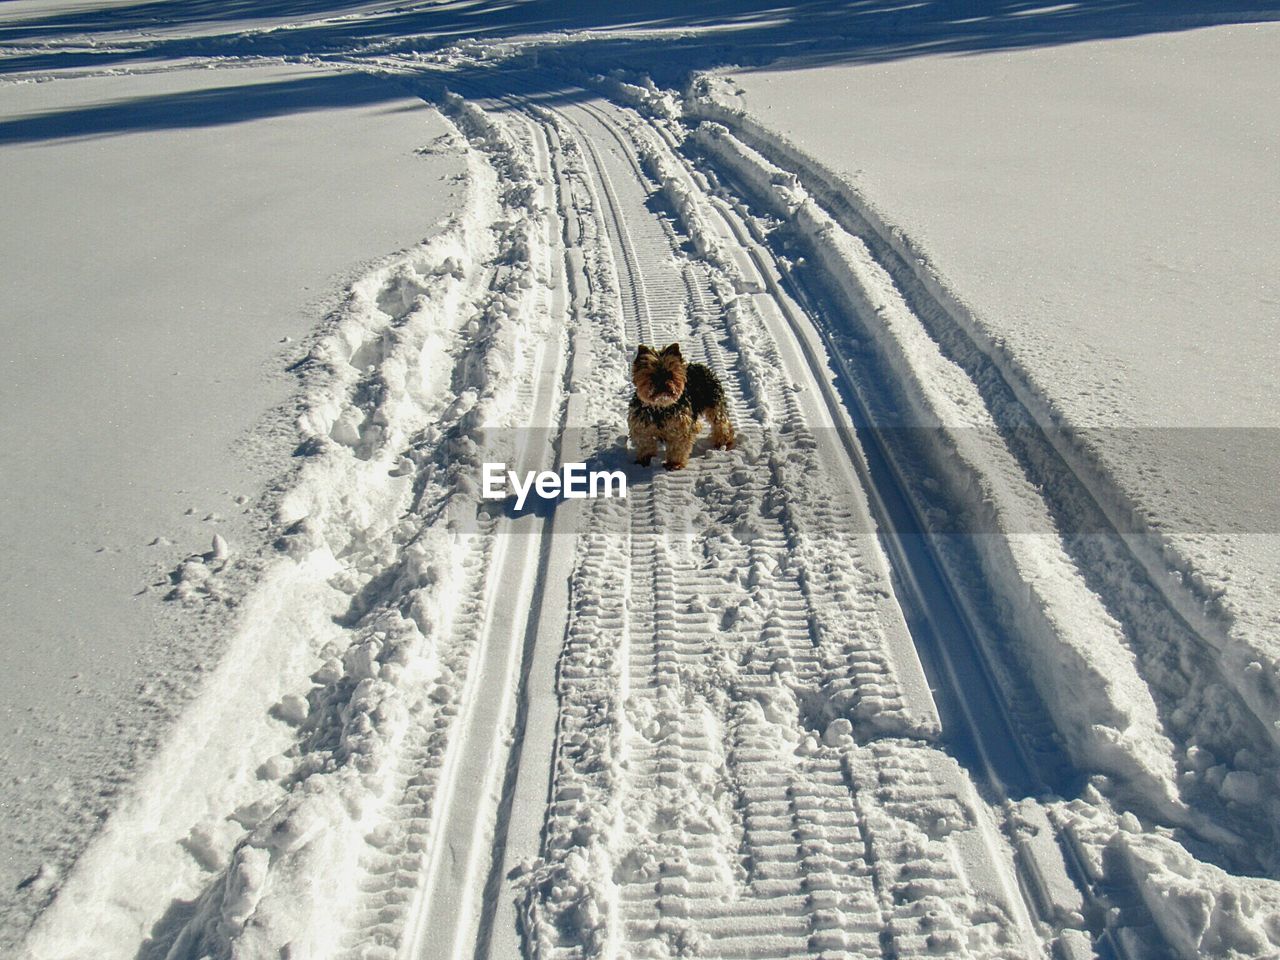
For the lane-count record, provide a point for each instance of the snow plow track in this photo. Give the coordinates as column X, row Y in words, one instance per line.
column 711, row 841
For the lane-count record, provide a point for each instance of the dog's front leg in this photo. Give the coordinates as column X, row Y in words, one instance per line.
column 678, row 450
column 645, row 441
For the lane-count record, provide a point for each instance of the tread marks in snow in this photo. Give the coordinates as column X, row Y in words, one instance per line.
column 721, row 823
column 1115, row 912
column 1206, row 716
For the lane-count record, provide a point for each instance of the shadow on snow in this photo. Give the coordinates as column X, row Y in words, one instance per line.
column 745, row 33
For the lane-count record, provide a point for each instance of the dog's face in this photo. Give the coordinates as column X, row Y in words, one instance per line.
column 658, row 375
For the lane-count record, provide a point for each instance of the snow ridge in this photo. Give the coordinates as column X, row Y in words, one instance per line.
column 426, row 354
column 1153, row 582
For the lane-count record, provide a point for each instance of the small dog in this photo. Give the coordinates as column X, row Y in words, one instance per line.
column 670, row 397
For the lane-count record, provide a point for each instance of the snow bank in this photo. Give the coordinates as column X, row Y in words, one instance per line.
column 1074, row 651
column 156, row 282
column 1201, row 910
column 303, row 765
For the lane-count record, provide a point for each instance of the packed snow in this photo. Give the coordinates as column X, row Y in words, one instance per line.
column 966, row 648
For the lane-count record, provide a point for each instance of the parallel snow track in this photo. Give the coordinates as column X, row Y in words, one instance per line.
column 452, row 906
column 702, row 800
column 721, row 842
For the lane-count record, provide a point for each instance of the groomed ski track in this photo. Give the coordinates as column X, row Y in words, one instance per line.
column 747, row 712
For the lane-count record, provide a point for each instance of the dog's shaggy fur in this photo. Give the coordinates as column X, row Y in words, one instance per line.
column 670, row 397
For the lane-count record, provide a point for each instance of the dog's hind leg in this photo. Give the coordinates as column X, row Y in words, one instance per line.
column 722, row 437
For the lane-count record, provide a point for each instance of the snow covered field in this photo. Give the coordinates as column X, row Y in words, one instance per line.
column 154, row 261
column 1019, row 300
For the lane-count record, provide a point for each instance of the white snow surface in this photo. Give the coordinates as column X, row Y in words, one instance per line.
column 151, row 268
column 294, row 693
column 1107, row 213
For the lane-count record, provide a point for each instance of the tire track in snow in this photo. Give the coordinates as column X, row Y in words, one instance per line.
column 388, row 871
column 1188, row 708
column 1058, row 870
column 432, row 896
column 681, row 891
column 416, row 687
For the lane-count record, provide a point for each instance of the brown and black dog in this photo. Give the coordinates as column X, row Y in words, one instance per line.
column 670, row 397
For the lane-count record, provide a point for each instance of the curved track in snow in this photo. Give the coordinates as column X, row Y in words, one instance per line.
column 755, row 709
column 705, row 840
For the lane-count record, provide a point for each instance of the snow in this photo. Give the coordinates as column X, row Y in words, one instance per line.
column 280, row 313
column 1106, row 211
column 1101, row 207
column 155, row 271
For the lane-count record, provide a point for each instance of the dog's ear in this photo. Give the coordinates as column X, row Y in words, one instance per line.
column 645, row 352
column 672, row 350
